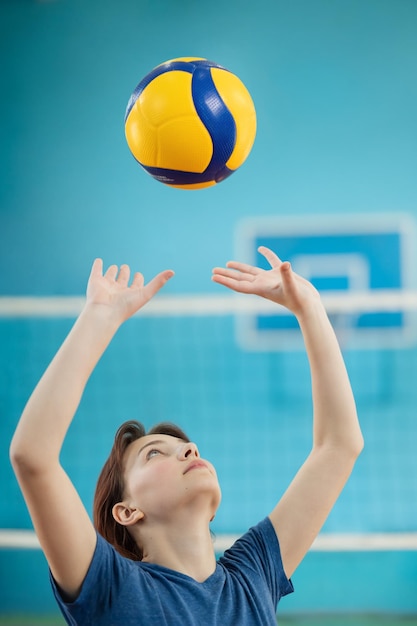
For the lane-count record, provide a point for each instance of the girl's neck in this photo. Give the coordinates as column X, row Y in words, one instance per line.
column 185, row 549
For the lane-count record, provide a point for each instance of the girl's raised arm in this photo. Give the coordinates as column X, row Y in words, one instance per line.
column 61, row 522
column 337, row 439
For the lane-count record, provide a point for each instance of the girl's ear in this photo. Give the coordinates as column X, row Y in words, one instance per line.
column 126, row 516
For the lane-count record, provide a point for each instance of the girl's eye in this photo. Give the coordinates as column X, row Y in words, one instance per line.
column 152, row 453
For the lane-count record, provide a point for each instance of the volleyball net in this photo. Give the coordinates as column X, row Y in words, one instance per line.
column 228, row 368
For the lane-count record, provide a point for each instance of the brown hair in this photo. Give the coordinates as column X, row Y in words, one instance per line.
column 110, row 485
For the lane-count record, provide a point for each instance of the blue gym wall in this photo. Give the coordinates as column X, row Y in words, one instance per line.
column 335, row 89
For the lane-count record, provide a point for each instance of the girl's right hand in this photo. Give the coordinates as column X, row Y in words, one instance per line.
column 112, row 289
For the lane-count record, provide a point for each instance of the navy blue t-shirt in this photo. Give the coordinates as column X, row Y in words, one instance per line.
column 244, row 589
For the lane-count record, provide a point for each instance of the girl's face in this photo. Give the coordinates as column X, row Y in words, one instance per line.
column 164, row 474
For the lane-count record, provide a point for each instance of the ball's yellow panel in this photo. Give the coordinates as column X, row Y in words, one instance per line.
column 195, row 185
column 163, row 128
column 239, row 102
column 184, row 144
column 141, row 136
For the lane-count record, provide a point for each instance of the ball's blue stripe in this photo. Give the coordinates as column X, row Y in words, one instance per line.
column 176, row 177
column 215, row 116
column 185, row 66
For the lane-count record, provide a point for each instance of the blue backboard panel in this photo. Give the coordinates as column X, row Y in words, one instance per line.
column 349, row 255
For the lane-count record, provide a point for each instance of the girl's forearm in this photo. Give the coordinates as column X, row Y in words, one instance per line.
column 50, row 409
column 335, row 417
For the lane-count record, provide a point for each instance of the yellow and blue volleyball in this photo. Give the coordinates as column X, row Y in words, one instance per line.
column 190, row 123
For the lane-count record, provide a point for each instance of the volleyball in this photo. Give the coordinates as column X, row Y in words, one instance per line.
column 190, row 123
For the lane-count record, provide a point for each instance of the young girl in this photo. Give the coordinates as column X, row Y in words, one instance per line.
column 149, row 559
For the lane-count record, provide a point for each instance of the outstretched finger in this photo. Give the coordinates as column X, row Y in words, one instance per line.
column 138, row 280
column 97, row 268
column 232, row 273
column 287, row 275
column 272, row 258
column 158, row 282
column 241, row 286
column 243, row 267
column 124, row 275
column 111, row 272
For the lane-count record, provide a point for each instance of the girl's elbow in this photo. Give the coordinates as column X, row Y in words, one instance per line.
column 360, row 444
column 26, row 461
column 352, row 448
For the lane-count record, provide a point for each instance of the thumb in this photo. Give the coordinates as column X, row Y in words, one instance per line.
column 158, row 282
column 286, row 267
column 287, row 275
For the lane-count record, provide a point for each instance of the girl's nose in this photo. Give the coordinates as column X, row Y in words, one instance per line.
column 188, row 450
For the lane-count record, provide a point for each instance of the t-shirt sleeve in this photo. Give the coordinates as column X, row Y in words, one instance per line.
column 258, row 551
column 104, row 579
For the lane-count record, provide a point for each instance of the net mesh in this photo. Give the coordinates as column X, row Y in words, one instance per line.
column 248, row 410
